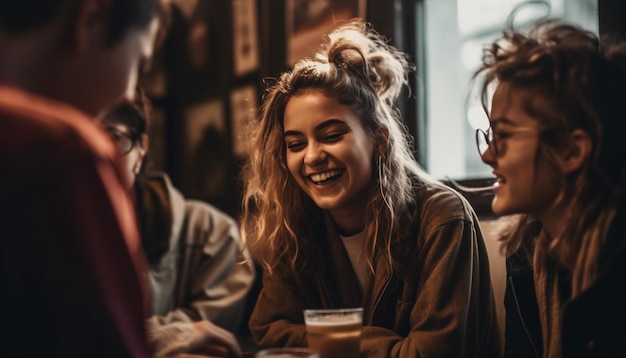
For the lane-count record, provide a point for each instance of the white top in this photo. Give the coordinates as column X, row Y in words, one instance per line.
column 354, row 247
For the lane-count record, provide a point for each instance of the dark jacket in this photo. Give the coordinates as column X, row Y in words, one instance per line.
column 445, row 310
column 522, row 329
column 594, row 323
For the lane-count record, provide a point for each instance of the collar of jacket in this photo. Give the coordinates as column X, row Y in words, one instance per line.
column 340, row 285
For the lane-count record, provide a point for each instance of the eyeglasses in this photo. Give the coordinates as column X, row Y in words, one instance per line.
column 488, row 141
column 124, row 141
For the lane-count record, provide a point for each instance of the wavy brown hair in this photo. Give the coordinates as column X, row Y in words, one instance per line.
column 572, row 80
column 357, row 66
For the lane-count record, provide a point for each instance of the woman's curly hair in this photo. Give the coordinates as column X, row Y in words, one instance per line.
column 357, row 66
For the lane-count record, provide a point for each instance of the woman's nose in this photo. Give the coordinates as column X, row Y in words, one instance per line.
column 488, row 157
column 314, row 154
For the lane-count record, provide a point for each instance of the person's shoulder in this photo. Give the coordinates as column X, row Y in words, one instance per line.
column 209, row 211
column 198, row 214
column 215, row 225
column 35, row 131
column 438, row 204
column 195, row 210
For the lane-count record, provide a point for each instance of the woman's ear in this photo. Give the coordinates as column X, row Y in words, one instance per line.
column 577, row 152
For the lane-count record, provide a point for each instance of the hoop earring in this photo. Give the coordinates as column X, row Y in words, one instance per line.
column 382, row 183
column 381, row 175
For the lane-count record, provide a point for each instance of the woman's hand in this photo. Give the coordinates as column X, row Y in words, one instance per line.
column 195, row 339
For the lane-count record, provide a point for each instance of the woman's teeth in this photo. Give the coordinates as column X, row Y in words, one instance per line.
column 326, row 176
column 499, row 180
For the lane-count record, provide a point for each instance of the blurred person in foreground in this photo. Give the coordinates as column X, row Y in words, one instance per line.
column 556, row 145
column 339, row 213
column 69, row 245
column 198, row 271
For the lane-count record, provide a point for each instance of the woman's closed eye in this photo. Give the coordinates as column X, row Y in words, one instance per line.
column 330, row 137
column 333, row 136
column 501, row 134
column 295, row 145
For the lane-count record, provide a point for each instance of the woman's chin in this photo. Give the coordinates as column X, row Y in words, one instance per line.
column 499, row 208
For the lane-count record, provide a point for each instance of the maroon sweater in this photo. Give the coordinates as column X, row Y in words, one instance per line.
column 69, row 245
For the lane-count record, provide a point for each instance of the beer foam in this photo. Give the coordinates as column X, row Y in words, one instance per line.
column 334, row 320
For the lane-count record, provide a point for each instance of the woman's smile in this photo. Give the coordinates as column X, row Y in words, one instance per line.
column 329, row 152
column 326, row 177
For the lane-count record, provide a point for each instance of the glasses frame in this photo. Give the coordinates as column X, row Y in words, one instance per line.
column 116, row 134
column 490, row 138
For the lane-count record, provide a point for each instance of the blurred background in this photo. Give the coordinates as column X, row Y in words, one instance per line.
column 209, row 74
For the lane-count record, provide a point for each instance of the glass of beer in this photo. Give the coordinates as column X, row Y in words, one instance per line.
column 334, row 333
column 287, row 352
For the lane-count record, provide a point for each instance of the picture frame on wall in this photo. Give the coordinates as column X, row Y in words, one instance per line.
column 206, row 150
column 307, row 21
column 194, row 49
column 246, row 57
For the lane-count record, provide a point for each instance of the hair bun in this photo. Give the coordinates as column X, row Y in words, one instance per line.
column 349, row 57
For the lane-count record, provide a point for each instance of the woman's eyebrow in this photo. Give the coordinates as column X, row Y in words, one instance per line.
column 291, row 134
column 321, row 126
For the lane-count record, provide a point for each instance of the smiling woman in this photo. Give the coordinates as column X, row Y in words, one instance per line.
column 565, row 89
column 339, row 214
column 331, row 158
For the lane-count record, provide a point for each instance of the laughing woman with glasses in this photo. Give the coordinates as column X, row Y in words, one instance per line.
column 557, row 148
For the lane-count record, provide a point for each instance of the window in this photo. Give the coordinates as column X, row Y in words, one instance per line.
column 454, row 34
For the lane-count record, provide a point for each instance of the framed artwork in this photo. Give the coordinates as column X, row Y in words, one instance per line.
column 206, row 151
column 307, row 21
column 245, row 37
column 243, row 106
column 193, row 50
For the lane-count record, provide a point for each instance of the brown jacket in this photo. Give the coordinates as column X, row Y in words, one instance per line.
column 447, row 310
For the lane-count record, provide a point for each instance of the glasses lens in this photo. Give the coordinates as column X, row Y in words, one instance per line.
column 123, row 141
column 482, row 140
